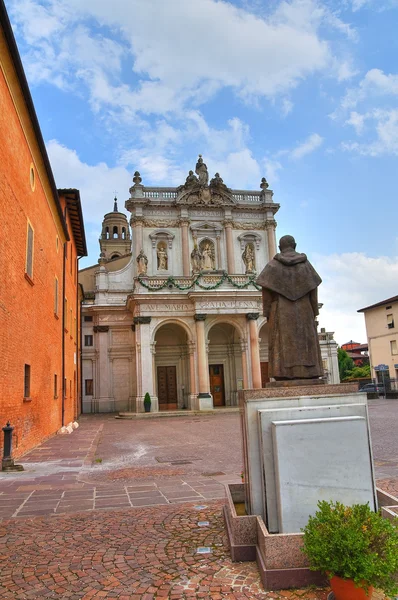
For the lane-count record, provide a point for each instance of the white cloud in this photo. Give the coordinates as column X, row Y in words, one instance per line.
column 375, row 84
column 179, row 52
column 97, row 183
column 313, row 142
column 386, row 129
column 357, row 121
column 271, row 169
column 286, row 107
column 352, row 281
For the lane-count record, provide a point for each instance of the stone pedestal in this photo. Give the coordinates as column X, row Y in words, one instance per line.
column 273, row 461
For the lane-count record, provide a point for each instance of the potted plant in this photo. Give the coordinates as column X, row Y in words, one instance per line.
column 147, row 402
column 355, row 547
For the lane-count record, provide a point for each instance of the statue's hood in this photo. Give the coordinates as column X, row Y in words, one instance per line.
column 289, row 274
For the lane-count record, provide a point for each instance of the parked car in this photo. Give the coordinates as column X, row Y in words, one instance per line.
column 373, row 388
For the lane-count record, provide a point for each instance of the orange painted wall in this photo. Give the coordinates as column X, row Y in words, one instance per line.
column 30, row 332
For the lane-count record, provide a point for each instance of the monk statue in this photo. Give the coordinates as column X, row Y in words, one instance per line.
column 290, row 303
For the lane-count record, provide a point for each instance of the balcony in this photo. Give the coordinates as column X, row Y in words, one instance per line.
column 197, row 283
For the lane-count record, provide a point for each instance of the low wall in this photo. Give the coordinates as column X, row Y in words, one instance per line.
column 281, row 563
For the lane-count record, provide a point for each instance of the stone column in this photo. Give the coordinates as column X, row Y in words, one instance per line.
column 193, row 393
column 230, row 247
column 145, row 364
column 254, row 350
column 204, row 399
column 104, row 401
column 185, row 248
column 245, row 372
column 271, row 239
column 136, row 224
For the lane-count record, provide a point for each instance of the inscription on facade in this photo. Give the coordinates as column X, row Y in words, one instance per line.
column 228, row 304
column 162, row 212
column 207, row 213
column 165, row 307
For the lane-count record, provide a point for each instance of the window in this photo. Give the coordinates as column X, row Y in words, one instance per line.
column 70, row 388
column 88, row 318
column 71, row 261
column 26, row 389
column 32, row 178
column 88, row 384
column 115, row 232
column 390, row 321
column 29, row 251
column 56, row 296
column 65, row 387
column 55, row 386
column 71, row 321
column 88, row 340
column 394, row 347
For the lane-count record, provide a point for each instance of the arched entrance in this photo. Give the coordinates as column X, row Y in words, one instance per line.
column 264, row 354
column 225, row 364
column 172, row 367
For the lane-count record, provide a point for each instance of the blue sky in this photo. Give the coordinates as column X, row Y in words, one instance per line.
column 302, row 91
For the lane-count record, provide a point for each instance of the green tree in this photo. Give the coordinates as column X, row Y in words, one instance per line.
column 358, row 372
column 346, row 364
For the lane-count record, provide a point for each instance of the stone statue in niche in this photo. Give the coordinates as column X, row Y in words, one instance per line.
column 249, row 259
column 208, row 259
column 290, row 303
column 162, row 258
column 196, row 260
column 201, row 171
column 142, row 263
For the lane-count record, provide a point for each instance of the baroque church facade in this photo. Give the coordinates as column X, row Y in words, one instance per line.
column 172, row 308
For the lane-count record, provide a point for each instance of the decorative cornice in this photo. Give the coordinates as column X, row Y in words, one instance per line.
column 252, row 316
column 142, row 320
column 200, row 317
column 100, row 328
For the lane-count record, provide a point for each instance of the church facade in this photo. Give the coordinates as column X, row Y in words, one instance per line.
column 180, row 317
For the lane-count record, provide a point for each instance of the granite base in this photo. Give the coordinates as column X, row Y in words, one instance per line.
column 280, row 561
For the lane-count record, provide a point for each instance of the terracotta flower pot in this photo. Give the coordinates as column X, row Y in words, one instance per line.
column 345, row 589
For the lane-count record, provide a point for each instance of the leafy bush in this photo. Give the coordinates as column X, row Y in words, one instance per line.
column 353, row 542
column 147, row 399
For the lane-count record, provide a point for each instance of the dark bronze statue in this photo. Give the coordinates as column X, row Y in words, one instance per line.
column 290, row 303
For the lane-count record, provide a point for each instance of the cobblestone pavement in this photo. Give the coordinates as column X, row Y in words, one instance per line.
column 86, row 516
column 142, row 553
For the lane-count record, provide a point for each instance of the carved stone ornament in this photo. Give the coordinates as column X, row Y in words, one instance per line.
column 142, row 320
column 252, row 316
column 160, row 223
column 200, row 317
column 197, row 191
column 101, row 328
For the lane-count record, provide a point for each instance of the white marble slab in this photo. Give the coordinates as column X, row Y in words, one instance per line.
column 267, row 489
column 255, row 500
column 320, row 459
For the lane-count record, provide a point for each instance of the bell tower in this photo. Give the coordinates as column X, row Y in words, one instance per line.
column 115, row 237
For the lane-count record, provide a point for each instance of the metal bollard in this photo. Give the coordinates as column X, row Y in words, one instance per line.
column 7, row 463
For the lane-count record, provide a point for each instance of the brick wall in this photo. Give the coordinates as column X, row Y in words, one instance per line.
column 30, row 332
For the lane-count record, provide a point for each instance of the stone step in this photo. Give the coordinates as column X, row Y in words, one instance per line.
column 177, row 413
